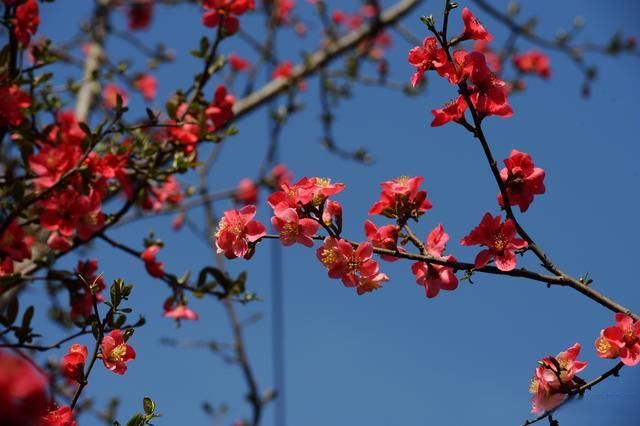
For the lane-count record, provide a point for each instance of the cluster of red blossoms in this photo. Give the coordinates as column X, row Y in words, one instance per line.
column 301, row 209
column 555, row 378
column 214, row 117
column 24, row 398
column 225, row 13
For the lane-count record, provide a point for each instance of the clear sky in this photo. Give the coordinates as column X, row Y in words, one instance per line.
column 393, row 357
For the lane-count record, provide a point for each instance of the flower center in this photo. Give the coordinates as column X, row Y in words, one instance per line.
column 117, row 353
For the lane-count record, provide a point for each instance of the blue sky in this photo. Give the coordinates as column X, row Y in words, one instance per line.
column 394, row 357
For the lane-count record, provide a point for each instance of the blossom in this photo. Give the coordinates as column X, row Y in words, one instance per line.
column 12, row 102
column 147, row 85
column 489, row 93
column 385, row 237
column 473, row 29
column 220, row 111
column 153, row 266
column 293, row 229
column 533, row 62
column 283, row 70
column 499, row 238
column 14, row 244
column 73, row 363
column 247, row 192
column 322, row 188
column 430, row 275
column 140, row 14
column 168, row 193
column 401, row 199
column 68, row 210
column 554, row 378
column 82, row 295
column 52, row 162
column 26, row 22
column 237, row 63
column 521, row 179
column 452, row 111
column 115, row 352
column 62, row 416
column 180, row 312
column 23, row 391
column 236, row 230
column 494, row 62
column 280, row 175
column 423, row 57
column 225, row 12
column 294, row 196
column 621, row 340
column 65, row 130
column 355, row 267
column 110, row 96
column 332, row 213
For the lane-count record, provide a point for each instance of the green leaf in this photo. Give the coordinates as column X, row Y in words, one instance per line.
column 137, row 420
column 149, row 406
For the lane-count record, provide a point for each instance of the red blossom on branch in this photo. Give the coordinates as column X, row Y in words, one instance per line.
column 116, row 352
column 620, row 341
column 73, row 363
column 521, row 179
column 236, row 230
column 499, row 238
column 401, row 199
column 436, row 277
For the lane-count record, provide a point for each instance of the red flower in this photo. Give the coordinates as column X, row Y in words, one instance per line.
column 63, row 416
column 384, row 237
column 453, row 111
column 12, row 101
column 140, row 14
column 533, row 62
column 66, row 131
column 332, row 213
column 554, row 377
column 81, row 294
column 67, row 210
column 116, row 353
column 522, row 180
column 489, row 93
column 354, row 267
column 435, row 277
column 423, row 57
column 187, row 133
column 293, row 229
column 23, row 391
column 237, row 63
column 14, row 244
column 319, row 189
column 180, row 312
column 73, row 363
column 621, row 341
column 110, row 96
column 147, row 85
column 280, row 174
column 493, row 59
column 26, row 21
column 236, row 230
column 500, row 240
column 401, row 199
column 52, row 162
column 473, row 29
column 221, row 12
column 220, row 112
column 283, row 70
column 293, row 195
column 168, row 193
column 153, row 267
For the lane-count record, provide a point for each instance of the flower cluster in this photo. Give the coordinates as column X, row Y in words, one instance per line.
column 225, row 13
column 621, row 340
column 554, row 378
